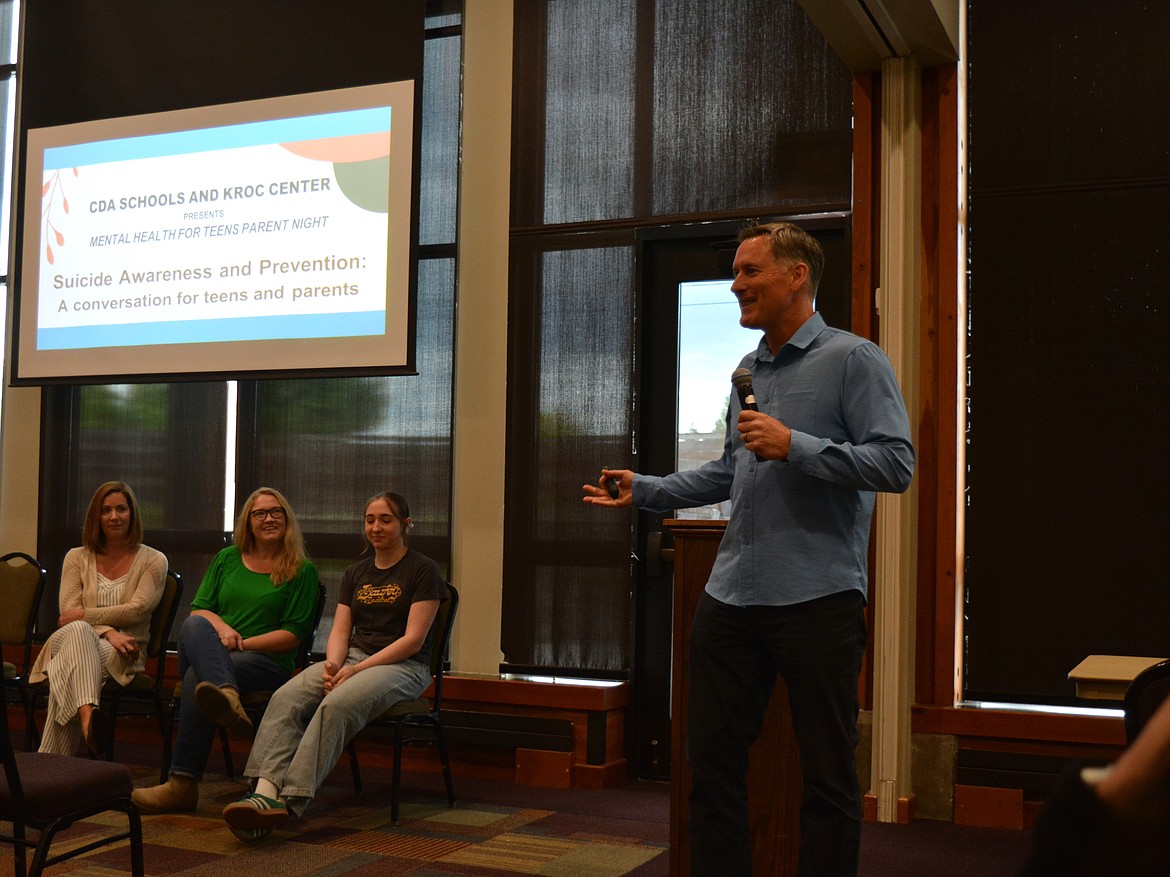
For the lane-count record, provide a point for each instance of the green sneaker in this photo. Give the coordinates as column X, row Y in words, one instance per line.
column 255, row 816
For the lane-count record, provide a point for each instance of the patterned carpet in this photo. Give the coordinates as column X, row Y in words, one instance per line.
column 498, row 829
column 350, row 834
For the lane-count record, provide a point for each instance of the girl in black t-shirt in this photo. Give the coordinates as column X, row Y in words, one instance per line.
column 378, row 654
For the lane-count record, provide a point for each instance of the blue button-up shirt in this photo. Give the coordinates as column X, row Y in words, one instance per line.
column 799, row 527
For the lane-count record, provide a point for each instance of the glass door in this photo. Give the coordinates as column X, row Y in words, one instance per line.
column 710, row 345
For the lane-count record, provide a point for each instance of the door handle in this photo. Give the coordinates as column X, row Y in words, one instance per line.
column 656, row 555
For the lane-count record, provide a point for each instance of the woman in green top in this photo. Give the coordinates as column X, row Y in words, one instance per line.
column 253, row 608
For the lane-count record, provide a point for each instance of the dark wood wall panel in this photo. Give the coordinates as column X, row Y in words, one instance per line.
column 1070, row 331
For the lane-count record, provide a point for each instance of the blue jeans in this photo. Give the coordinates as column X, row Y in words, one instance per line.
column 735, row 654
column 202, row 658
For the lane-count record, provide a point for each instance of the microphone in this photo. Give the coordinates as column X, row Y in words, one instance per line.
column 741, row 379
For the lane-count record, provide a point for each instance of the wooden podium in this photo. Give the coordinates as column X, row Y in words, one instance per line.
column 774, row 783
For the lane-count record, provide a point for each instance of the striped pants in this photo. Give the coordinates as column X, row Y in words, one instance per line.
column 76, row 673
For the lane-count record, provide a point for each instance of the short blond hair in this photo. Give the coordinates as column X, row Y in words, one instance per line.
column 791, row 243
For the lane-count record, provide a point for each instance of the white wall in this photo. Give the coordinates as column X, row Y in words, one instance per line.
column 19, row 468
column 481, row 336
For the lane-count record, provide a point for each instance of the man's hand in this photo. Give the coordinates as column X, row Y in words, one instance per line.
column 619, row 481
column 764, row 436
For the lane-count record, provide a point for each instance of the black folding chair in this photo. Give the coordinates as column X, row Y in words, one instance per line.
column 49, row 793
column 418, row 721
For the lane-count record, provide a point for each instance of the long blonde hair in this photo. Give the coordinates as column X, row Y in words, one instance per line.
column 292, row 550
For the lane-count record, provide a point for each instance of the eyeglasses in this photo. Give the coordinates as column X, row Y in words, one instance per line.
column 277, row 514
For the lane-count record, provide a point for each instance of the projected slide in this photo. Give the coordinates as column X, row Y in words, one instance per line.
column 279, row 227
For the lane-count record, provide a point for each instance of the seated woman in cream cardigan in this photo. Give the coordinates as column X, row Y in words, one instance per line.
column 110, row 585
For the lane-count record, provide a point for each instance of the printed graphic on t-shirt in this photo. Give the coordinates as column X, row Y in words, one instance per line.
column 378, row 594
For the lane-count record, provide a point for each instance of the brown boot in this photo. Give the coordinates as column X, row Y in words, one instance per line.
column 177, row 795
column 222, row 706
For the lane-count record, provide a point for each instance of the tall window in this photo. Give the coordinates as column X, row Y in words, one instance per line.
column 327, row 444
column 629, row 114
column 1066, row 518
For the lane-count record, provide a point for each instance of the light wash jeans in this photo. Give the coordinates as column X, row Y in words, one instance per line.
column 305, row 730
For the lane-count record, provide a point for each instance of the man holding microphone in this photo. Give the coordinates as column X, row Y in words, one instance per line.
column 788, row 588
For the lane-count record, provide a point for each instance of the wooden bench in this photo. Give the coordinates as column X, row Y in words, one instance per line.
column 534, row 733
